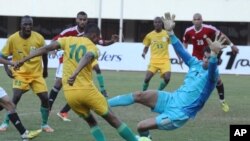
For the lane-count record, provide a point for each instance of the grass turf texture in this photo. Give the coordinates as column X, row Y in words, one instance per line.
column 210, row 124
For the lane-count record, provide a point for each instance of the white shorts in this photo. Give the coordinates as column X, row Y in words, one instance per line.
column 59, row 70
column 2, row 92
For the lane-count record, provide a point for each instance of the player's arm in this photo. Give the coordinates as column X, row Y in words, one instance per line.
column 114, row 38
column 234, row 48
column 144, row 52
column 45, row 65
column 169, row 25
column 185, row 44
column 185, row 39
column 41, row 51
column 88, row 57
column 216, row 48
column 4, row 60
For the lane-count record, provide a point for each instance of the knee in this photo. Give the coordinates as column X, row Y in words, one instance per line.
column 141, row 127
column 147, row 79
column 112, row 120
column 58, row 85
column 166, row 79
column 16, row 99
column 10, row 107
column 138, row 95
column 219, row 82
column 91, row 121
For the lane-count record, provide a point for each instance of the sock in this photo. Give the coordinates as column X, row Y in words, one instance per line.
column 6, row 119
column 100, row 81
column 121, row 100
column 220, row 90
column 144, row 133
column 163, row 84
column 14, row 118
column 65, row 109
column 52, row 96
column 45, row 115
column 145, row 86
column 126, row 133
column 97, row 133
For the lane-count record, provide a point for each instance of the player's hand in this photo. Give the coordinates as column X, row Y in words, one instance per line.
column 71, row 80
column 9, row 72
column 45, row 73
column 53, row 53
column 216, row 45
column 168, row 21
column 143, row 55
column 115, row 38
column 235, row 50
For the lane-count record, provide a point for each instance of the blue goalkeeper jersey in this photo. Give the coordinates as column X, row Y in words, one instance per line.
column 198, row 84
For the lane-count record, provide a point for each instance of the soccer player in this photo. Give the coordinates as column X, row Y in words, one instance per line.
column 12, row 114
column 78, row 30
column 196, row 34
column 176, row 108
column 30, row 76
column 157, row 40
column 78, row 86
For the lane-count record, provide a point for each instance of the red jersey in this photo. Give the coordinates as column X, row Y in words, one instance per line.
column 72, row 31
column 197, row 38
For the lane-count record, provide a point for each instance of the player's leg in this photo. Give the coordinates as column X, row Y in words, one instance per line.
column 99, row 78
column 99, row 104
column 57, row 85
column 220, row 90
column 165, row 74
column 123, row 130
column 17, row 94
column 54, row 91
column 149, row 74
column 63, row 114
column 166, row 78
column 95, row 130
column 78, row 101
column 144, row 126
column 147, row 98
column 14, row 118
column 39, row 87
column 44, row 109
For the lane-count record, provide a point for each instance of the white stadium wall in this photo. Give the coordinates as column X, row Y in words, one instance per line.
column 127, row 57
column 212, row 10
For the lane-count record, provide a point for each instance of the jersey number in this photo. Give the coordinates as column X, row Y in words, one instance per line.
column 200, row 42
column 77, row 52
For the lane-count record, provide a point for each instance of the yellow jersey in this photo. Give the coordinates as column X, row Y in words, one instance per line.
column 18, row 48
column 74, row 49
column 158, row 43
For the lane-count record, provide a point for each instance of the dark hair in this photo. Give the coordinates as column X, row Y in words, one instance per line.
column 81, row 13
column 26, row 17
column 92, row 28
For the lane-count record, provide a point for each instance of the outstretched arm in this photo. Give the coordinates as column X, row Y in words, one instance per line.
column 234, row 48
column 83, row 62
column 41, row 51
column 216, row 48
column 114, row 38
column 169, row 25
column 5, row 62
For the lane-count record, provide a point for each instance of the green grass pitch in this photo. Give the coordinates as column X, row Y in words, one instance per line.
column 210, row 124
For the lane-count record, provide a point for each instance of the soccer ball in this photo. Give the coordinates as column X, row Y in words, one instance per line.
column 144, row 139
